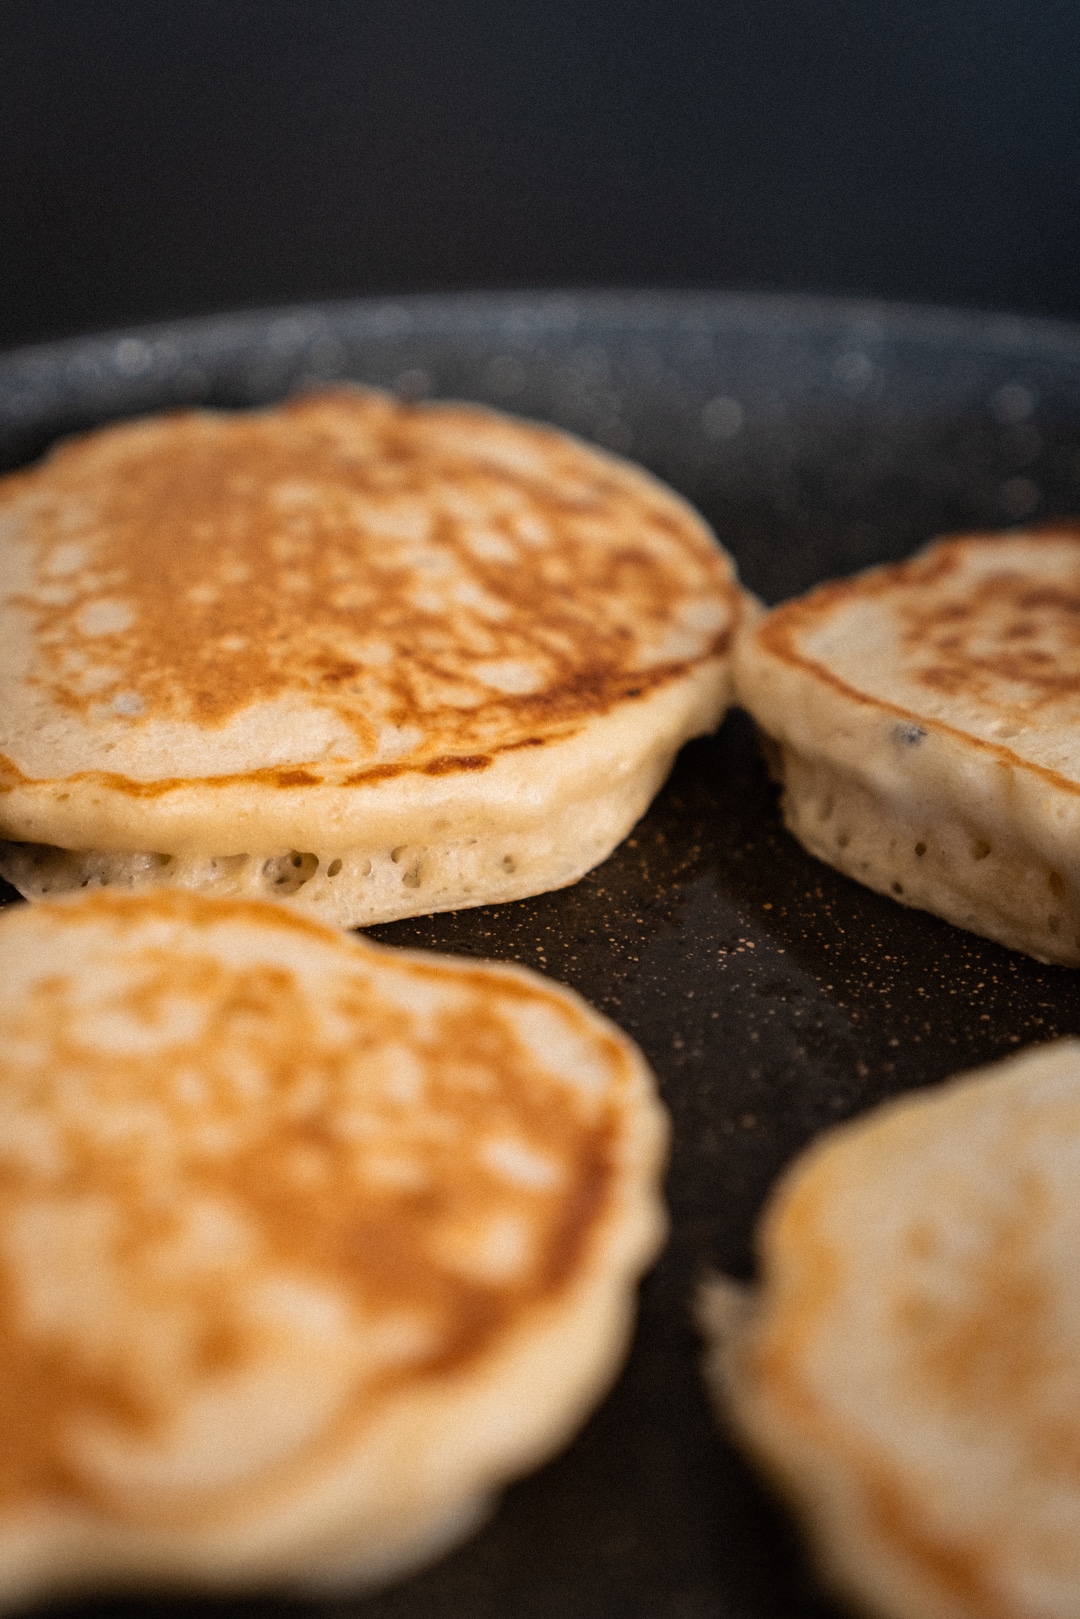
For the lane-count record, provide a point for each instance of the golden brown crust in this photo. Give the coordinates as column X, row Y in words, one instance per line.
column 438, row 581
column 907, row 1369
column 1008, row 639
column 892, row 1505
column 385, row 1128
column 445, row 764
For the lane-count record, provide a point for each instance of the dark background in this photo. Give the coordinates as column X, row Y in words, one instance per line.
column 162, row 157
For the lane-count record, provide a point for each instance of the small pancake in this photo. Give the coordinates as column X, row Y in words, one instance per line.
column 369, row 657
column 306, row 1246
column 927, row 718
column 908, row 1371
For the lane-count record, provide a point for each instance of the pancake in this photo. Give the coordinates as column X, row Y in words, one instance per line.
column 908, row 1371
column 306, row 1246
column 926, row 718
column 369, row 657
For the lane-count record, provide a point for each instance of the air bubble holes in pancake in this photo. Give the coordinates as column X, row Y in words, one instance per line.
column 224, row 867
column 412, row 862
column 42, row 869
column 972, row 876
column 287, row 873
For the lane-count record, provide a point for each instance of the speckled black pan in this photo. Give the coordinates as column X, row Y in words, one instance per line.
column 771, row 995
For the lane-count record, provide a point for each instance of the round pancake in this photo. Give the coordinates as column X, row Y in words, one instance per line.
column 306, row 1246
column 908, row 1371
column 371, row 657
column 927, row 716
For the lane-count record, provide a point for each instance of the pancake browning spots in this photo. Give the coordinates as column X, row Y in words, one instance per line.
column 330, row 620
column 987, row 625
column 927, row 715
column 432, row 569
column 285, row 1222
column 907, row 1371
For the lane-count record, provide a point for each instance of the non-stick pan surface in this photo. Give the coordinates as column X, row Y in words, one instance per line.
column 772, row 996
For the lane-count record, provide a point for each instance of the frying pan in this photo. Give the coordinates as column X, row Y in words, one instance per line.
column 772, row 996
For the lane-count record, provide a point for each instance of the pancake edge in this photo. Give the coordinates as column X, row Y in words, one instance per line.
column 312, row 1539
column 910, row 805
column 535, row 817
column 777, row 1423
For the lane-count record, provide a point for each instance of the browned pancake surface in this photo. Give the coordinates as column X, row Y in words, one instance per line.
column 908, row 1371
column 443, row 580
column 228, row 1139
column 981, row 631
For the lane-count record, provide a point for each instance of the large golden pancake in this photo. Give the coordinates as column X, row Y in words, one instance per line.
column 908, row 1371
column 927, row 717
column 371, row 657
column 306, row 1246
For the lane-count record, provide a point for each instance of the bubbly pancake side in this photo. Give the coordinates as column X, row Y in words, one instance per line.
column 927, row 717
column 281, row 1215
column 208, row 609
